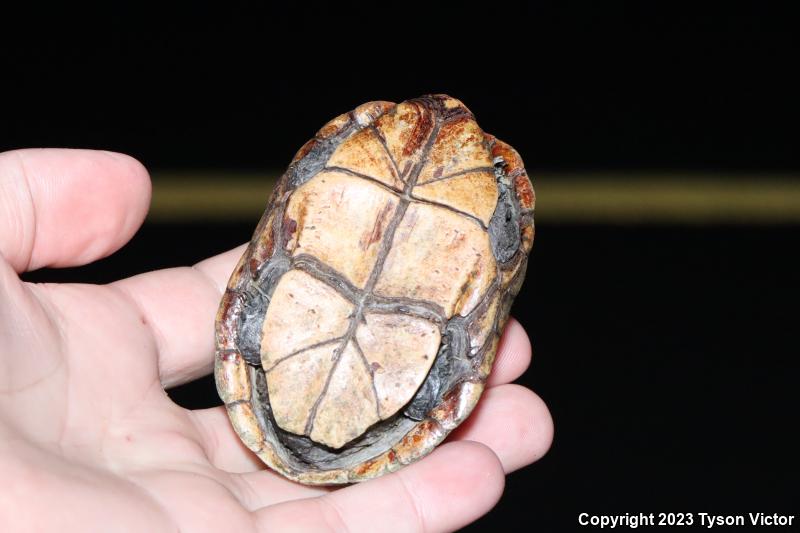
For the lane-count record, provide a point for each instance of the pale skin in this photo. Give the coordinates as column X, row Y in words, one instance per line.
column 90, row 441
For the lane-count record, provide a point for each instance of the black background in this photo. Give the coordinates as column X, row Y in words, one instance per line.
column 667, row 354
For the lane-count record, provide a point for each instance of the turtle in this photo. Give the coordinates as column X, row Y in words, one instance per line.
column 361, row 323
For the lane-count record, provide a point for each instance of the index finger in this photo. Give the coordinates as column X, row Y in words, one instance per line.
column 179, row 306
column 455, row 485
column 63, row 207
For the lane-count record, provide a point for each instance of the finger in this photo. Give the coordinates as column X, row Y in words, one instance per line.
column 514, row 422
column 226, row 451
column 68, row 207
column 510, row 419
column 264, row 487
column 455, row 485
column 256, row 485
column 513, row 355
column 179, row 306
column 221, row 443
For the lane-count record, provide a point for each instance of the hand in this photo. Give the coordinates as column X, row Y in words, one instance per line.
column 89, row 440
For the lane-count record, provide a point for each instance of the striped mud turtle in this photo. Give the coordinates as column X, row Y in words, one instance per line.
column 359, row 327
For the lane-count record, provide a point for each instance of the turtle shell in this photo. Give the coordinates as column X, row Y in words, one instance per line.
column 359, row 327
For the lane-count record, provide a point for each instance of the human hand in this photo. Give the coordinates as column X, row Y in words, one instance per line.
column 89, row 440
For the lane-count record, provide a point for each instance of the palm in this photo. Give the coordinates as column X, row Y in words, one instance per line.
column 85, row 424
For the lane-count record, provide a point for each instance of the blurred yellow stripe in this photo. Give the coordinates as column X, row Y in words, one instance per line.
column 203, row 196
column 561, row 198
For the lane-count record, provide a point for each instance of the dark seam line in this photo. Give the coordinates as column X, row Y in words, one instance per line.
column 386, row 245
column 371, row 377
column 373, row 278
column 363, row 176
column 404, row 305
column 323, row 273
column 388, row 153
column 473, row 218
column 457, row 174
column 301, row 350
column 413, row 198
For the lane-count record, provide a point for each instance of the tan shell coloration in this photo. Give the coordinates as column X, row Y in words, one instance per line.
column 381, row 254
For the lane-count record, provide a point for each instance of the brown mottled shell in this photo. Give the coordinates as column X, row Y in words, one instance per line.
column 360, row 325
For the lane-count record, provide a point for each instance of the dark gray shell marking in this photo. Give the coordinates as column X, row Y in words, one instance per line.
column 504, row 224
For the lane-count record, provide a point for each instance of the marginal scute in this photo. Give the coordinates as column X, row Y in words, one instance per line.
column 419, row 441
column 456, row 405
column 229, row 313
column 513, row 270
column 318, row 208
column 515, row 169
column 527, row 237
column 453, row 103
column 334, row 126
column 367, row 113
column 230, row 307
column 525, row 194
column 488, row 360
column 263, row 245
column 414, row 267
column 374, row 467
column 305, row 149
column 245, row 423
column 483, row 325
column 230, row 372
column 301, row 299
